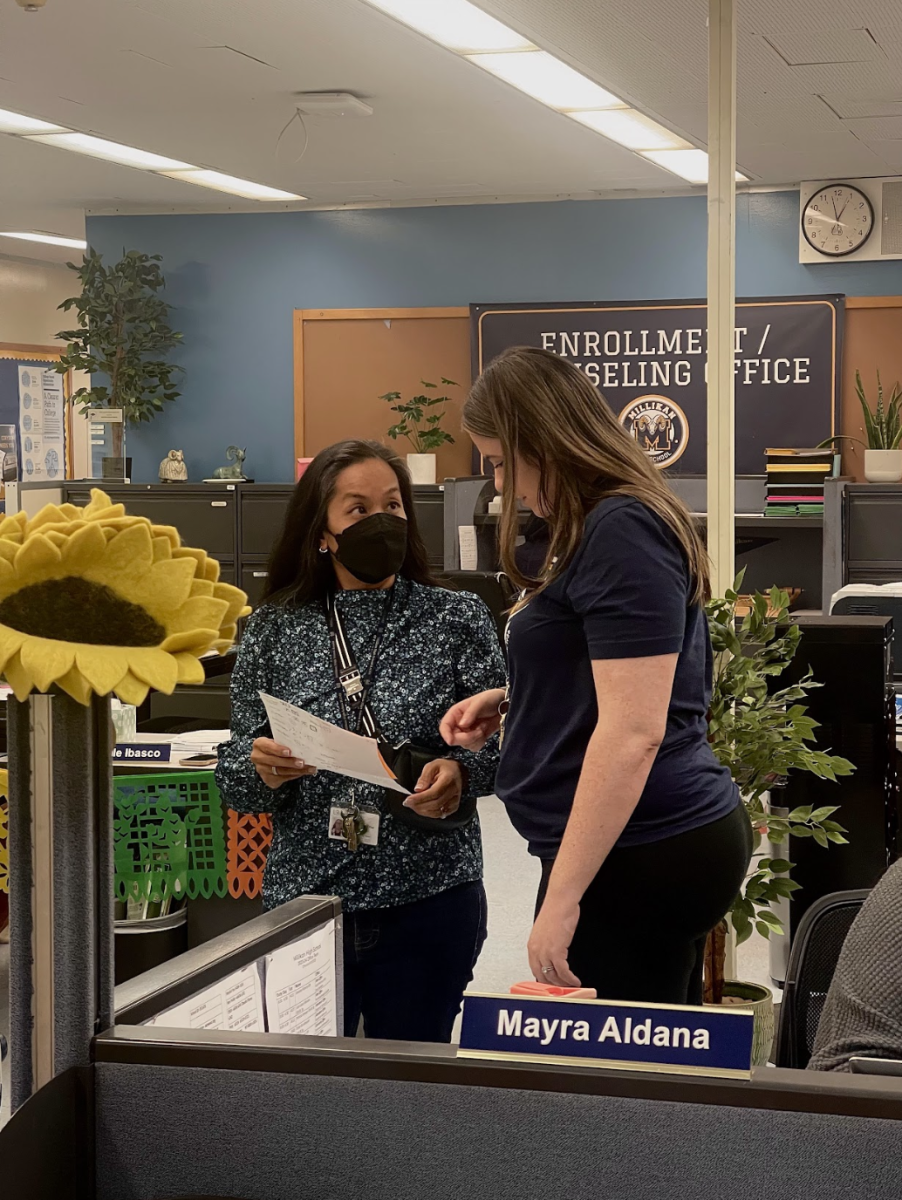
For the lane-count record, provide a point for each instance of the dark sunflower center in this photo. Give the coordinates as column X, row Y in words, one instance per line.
column 76, row 610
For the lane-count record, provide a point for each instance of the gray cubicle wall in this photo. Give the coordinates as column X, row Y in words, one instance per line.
column 292, row 1120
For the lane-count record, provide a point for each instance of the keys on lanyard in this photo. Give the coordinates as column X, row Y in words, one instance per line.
column 354, row 827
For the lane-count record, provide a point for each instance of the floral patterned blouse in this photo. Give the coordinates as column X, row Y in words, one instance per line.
column 438, row 647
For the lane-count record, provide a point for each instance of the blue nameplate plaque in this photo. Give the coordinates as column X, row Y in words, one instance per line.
column 607, row 1033
column 145, row 753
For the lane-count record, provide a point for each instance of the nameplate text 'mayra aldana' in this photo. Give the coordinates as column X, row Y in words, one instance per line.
column 607, row 1033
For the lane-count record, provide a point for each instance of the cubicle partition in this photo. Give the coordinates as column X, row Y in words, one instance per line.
column 166, row 1111
column 263, row 1117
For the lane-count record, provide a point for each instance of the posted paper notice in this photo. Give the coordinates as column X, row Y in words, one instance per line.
column 301, row 986
column 234, row 1004
column 327, row 747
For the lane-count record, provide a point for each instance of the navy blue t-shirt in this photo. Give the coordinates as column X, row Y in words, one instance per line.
column 626, row 594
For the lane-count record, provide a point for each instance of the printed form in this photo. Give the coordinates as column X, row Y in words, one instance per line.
column 327, row 747
column 301, row 986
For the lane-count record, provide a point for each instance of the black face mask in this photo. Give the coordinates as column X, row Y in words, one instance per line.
column 373, row 549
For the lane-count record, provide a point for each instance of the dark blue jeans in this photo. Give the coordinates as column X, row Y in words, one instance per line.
column 406, row 968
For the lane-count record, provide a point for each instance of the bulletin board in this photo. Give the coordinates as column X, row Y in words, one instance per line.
column 12, row 358
column 873, row 342
column 345, row 359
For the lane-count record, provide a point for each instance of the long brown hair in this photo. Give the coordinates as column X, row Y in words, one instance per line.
column 297, row 572
column 543, row 408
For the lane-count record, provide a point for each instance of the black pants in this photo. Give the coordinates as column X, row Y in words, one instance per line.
column 646, row 915
column 406, row 968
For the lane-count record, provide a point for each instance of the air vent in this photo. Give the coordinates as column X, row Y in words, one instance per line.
column 863, row 610
column 332, row 104
column 891, row 229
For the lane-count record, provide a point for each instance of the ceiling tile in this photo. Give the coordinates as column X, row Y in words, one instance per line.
column 819, row 46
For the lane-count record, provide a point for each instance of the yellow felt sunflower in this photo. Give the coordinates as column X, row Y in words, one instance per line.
column 96, row 602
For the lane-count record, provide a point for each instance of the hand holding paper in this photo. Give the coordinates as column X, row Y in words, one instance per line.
column 326, row 746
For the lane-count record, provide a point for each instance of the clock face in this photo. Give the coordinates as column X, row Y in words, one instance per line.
column 838, row 220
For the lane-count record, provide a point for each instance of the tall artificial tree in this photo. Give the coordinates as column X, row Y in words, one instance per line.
column 123, row 334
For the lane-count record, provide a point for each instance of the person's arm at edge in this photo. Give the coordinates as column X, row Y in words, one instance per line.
column 633, row 696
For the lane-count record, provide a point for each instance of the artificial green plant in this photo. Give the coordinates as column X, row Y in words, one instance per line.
column 124, row 334
column 418, row 420
column 762, row 732
column 883, row 426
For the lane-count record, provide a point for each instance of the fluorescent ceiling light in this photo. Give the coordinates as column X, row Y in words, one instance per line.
column 51, row 239
column 688, row 164
column 129, row 156
column 228, row 183
column 547, row 79
column 11, row 122
column 457, row 24
column 631, row 129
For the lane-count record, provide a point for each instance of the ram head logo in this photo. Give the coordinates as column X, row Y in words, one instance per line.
column 654, row 432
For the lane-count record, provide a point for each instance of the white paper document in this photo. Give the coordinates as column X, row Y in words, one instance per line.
column 326, row 746
column 234, row 1004
column 301, row 986
column 469, row 551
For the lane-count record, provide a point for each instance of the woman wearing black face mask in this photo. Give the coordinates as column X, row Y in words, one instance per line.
column 355, row 630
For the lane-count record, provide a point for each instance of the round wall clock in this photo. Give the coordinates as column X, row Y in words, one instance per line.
column 838, row 220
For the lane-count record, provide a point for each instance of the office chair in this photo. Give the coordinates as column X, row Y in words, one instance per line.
column 812, row 961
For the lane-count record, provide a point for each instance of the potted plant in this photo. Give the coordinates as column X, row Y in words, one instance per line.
column 762, row 733
column 422, row 426
column 883, row 427
column 123, row 334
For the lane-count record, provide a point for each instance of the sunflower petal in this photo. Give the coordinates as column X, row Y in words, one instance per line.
column 131, row 690
column 195, row 641
column 191, row 670
column 75, row 684
column 36, row 557
column 156, row 668
column 85, row 547
column 18, row 678
column 102, row 666
column 234, row 597
column 201, row 612
column 129, row 553
column 10, row 641
column 45, row 660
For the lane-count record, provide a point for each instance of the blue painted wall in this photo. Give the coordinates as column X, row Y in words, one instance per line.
column 235, row 280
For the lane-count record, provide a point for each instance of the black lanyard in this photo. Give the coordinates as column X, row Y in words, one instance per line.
column 354, row 688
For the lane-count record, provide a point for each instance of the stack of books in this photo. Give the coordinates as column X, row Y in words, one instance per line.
column 795, row 481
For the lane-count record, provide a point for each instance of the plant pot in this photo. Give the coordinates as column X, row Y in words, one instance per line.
column 883, row 466
column 760, row 1001
column 422, row 468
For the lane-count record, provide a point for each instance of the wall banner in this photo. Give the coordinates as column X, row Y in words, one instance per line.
column 649, row 361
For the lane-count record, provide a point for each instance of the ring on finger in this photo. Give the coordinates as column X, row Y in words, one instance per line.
column 547, row 970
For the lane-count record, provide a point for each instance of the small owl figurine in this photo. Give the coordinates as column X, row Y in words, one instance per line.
column 173, row 469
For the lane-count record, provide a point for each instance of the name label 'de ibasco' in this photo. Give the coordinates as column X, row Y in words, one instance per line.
column 608, row 1033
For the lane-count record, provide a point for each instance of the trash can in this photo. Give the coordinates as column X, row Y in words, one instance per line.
column 141, row 945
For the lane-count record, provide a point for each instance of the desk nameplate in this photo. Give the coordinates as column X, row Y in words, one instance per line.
column 621, row 1035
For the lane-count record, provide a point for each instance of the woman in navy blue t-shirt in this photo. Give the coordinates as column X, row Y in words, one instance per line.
column 605, row 768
